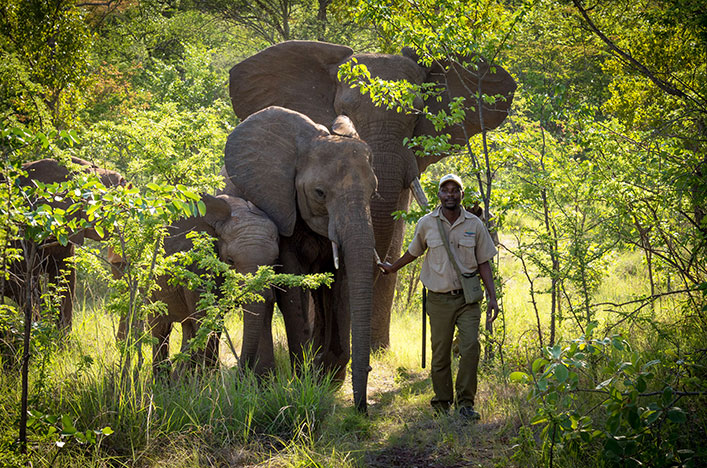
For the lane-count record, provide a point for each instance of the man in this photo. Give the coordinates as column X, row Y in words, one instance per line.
column 472, row 247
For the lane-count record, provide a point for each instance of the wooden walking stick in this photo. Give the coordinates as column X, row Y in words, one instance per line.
column 424, row 325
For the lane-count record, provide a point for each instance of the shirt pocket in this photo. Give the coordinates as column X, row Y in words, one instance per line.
column 466, row 249
column 437, row 257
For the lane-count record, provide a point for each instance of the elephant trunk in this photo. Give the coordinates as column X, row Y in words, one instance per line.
column 358, row 254
column 393, row 195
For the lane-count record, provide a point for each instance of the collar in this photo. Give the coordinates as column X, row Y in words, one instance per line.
column 438, row 211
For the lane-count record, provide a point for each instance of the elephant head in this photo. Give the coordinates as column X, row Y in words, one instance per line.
column 302, row 75
column 306, row 178
column 245, row 239
column 53, row 258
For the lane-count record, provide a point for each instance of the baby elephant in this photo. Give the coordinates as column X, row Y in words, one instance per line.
column 246, row 239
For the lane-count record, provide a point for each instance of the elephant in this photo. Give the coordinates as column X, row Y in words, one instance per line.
column 316, row 185
column 302, row 76
column 54, row 257
column 246, row 239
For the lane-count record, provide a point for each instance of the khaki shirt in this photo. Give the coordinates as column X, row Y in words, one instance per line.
column 470, row 242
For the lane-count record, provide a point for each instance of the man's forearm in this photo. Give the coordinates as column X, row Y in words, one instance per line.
column 398, row 264
column 487, row 277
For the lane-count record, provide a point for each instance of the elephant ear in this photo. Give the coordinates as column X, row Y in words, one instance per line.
column 261, row 161
column 218, row 211
column 343, row 126
column 464, row 82
column 298, row 75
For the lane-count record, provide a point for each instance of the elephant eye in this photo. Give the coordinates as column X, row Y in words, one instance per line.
column 320, row 193
column 230, row 261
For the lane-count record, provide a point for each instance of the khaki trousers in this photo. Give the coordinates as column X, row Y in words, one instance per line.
column 447, row 311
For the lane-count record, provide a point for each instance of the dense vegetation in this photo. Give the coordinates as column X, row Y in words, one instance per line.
column 597, row 183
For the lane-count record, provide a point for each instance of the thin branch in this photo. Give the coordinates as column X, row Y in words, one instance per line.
column 662, row 84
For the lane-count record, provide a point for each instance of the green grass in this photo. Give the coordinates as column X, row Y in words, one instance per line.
column 230, row 418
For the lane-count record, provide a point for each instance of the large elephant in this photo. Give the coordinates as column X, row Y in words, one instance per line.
column 316, row 186
column 302, row 75
column 54, row 258
column 246, row 239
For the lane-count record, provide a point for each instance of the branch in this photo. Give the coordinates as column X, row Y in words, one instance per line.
column 662, row 84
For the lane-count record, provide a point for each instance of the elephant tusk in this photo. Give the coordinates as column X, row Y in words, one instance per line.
column 419, row 194
column 335, row 251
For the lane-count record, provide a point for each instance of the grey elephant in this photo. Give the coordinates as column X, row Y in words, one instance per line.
column 302, row 76
column 316, row 186
column 54, row 258
column 246, row 239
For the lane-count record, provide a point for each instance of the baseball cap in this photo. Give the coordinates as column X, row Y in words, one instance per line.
column 454, row 178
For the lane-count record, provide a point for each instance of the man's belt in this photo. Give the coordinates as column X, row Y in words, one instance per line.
column 453, row 292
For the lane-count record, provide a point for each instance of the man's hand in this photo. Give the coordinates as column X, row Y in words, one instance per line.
column 385, row 268
column 491, row 311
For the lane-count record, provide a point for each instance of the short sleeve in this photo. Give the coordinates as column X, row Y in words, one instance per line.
column 418, row 245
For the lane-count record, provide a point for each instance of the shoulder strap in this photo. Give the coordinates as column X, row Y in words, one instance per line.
column 446, row 246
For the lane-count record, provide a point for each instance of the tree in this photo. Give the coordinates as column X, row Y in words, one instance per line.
column 45, row 48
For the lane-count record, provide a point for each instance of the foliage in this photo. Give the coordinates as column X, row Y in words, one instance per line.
column 637, row 427
column 46, row 49
column 273, row 21
column 600, row 167
column 223, row 289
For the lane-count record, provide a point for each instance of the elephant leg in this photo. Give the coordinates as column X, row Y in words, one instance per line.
column 331, row 327
column 384, row 293
column 160, row 351
column 294, row 303
column 67, row 300
column 59, row 271
column 189, row 328
column 266, row 353
column 211, row 354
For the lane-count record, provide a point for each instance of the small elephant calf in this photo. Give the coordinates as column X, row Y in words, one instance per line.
column 246, row 239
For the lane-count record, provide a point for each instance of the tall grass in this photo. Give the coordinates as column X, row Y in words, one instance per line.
column 215, row 409
column 230, row 418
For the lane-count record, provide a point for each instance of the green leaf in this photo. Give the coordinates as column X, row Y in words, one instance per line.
column 650, row 364
column 542, row 385
column 191, row 195
column 67, row 425
column 561, row 373
column 538, row 363
column 604, row 384
column 539, row 419
column 677, row 415
column 641, row 384
column 202, row 208
column 555, row 352
column 651, row 416
column 667, row 397
column 633, row 419
column 519, row 377
column 99, row 230
column 617, row 343
column 107, row 431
